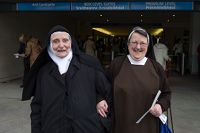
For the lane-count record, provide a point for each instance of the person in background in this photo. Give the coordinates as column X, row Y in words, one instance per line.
column 161, row 53
column 90, row 47
column 136, row 80
column 178, row 50
column 116, row 46
column 22, row 44
column 33, row 49
column 21, row 53
column 100, row 48
column 123, row 46
column 178, row 47
column 71, row 92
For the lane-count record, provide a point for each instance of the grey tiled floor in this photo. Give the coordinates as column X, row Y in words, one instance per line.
column 15, row 114
column 186, row 104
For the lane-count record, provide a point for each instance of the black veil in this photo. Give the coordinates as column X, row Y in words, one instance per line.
column 150, row 52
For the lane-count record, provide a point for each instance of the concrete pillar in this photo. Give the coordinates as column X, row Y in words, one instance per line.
column 195, row 40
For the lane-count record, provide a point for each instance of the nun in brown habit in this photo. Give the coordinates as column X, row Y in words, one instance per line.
column 136, row 79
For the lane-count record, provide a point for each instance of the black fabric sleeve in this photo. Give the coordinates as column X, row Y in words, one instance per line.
column 36, row 110
column 103, row 87
column 21, row 49
column 104, row 92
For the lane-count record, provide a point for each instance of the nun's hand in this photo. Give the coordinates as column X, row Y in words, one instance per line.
column 102, row 108
column 156, row 110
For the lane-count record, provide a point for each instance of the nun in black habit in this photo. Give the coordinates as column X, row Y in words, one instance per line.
column 70, row 91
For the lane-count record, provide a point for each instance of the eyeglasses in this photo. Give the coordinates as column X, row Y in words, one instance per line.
column 142, row 44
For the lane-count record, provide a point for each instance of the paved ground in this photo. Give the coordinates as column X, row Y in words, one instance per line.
column 14, row 114
column 186, row 104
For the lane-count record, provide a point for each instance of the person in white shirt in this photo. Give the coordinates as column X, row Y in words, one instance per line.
column 90, row 47
column 161, row 53
column 178, row 47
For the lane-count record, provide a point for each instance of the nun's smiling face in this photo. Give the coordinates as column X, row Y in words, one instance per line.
column 61, row 43
column 137, row 46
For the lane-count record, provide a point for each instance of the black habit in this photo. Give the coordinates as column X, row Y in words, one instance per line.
column 67, row 103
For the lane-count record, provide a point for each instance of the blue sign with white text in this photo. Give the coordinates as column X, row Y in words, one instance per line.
column 99, row 6
column 85, row 6
column 161, row 5
column 43, row 6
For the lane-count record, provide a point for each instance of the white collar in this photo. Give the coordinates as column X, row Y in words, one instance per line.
column 62, row 63
column 134, row 62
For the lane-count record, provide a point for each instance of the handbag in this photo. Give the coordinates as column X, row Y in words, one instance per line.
column 164, row 128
